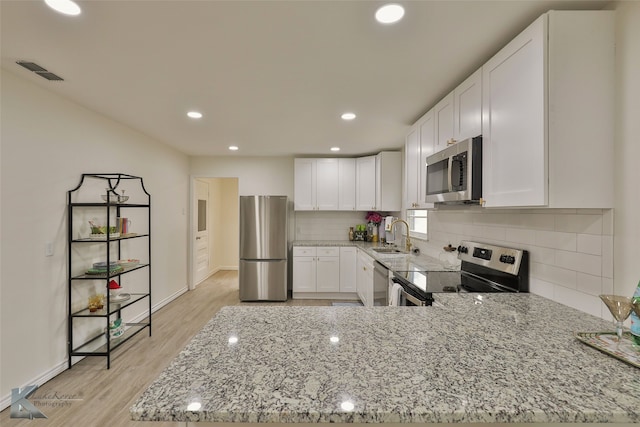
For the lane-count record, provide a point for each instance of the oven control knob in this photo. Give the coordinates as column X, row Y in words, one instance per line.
column 463, row 249
column 507, row 259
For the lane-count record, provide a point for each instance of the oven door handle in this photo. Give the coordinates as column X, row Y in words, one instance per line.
column 411, row 298
column 449, row 175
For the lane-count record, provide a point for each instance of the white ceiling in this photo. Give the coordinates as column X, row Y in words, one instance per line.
column 272, row 77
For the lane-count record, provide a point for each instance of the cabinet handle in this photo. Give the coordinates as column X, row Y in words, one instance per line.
column 482, row 201
column 451, row 141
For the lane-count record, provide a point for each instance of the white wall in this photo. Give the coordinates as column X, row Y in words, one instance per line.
column 47, row 143
column 228, row 247
column 256, row 175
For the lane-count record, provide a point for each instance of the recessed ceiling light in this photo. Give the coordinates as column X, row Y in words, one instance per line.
column 67, row 7
column 389, row 13
column 348, row 116
column 194, row 114
column 233, row 148
column 335, row 148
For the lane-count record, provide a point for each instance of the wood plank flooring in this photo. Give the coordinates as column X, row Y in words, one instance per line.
column 104, row 396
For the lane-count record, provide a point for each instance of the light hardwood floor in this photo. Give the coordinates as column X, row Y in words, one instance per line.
column 104, row 396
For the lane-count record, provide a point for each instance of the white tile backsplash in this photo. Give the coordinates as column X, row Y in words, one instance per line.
column 570, row 250
column 327, row 225
column 590, row 244
column 587, row 223
column 522, row 236
column 557, row 240
column 553, row 274
column 590, row 264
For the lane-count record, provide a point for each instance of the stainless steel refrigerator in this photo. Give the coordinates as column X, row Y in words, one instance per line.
column 263, row 248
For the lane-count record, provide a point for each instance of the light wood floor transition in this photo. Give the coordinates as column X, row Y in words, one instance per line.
column 89, row 395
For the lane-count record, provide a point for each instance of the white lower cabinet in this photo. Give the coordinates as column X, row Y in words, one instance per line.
column 364, row 278
column 316, row 270
column 348, row 268
column 304, row 269
column 328, row 270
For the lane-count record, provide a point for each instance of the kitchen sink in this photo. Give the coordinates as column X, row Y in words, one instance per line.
column 389, row 250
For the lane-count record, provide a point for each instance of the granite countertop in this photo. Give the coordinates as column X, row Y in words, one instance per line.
column 404, row 262
column 504, row 358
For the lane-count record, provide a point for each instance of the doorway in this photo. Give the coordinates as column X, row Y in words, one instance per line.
column 214, row 227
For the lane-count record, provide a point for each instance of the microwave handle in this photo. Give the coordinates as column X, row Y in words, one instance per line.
column 449, row 174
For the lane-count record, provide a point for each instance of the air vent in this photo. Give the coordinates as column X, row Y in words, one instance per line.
column 41, row 71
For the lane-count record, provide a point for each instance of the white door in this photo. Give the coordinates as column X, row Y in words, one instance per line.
column 201, row 229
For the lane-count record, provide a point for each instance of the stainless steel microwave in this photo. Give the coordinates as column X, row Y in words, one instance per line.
column 454, row 175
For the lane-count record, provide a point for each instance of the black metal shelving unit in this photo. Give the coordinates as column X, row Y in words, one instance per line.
column 101, row 343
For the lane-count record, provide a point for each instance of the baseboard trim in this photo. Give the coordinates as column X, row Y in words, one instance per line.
column 346, row 296
column 60, row 367
column 43, row 378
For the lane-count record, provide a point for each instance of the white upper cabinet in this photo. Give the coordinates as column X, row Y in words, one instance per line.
column 315, row 184
column 327, row 184
column 548, row 114
column 389, row 181
column 411, row 168
column 443, row 112
column 467, row 108
column 347, row 184
column 419, row 145
column 458, row 115
column 304, row 184
column 363, row 184
column 366, row 183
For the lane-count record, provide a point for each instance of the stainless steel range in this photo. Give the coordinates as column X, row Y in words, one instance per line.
column 485, row 268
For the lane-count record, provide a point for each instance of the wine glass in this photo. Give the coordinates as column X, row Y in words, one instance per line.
column 620, row 308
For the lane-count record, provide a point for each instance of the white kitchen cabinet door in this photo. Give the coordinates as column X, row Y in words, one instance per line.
column 347, row 184
column 443, row 112
column 364, row 278
column 328, row 274
column 411, row 168
column 547, row 114
column 327, row 184
column 304, row 274
column 304, row 183
column 426, row 130
column 366, row 183
column 467, row 108
column 514, row 144
column 348, row 261
column 388, row 196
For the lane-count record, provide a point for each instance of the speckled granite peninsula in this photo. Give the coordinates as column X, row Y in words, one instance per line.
column 502, row 359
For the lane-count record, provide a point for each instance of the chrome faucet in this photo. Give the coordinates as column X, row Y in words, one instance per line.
column 407, row 240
